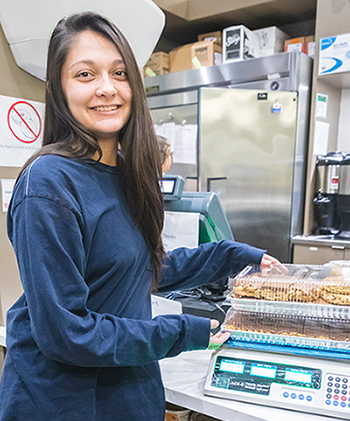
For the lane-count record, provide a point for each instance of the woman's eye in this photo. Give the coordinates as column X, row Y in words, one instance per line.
column 121, row 74
column 83, row 74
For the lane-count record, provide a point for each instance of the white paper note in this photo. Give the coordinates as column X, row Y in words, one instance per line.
column 181, row 229
column 321, row 134
column 167, row 130
column 162, row 306
column 185, row 146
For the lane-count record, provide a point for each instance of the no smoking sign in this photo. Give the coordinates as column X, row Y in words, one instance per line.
column 24, row 122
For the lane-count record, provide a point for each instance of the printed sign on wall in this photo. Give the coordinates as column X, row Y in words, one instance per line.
column 21, row 127
column 7, row 186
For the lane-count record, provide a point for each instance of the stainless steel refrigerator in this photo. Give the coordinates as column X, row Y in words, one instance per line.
column 252, row 120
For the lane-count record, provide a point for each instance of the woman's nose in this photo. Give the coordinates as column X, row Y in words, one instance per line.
column 106, row 86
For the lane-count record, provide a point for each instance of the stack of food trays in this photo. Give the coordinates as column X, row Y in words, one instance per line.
column 296, row 305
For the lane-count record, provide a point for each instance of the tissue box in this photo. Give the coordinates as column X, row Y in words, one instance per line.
column 334, row 54
column 271, row 40
column 239, row 43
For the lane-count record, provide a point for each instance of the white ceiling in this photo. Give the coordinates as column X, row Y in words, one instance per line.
column 198, row 9
column 185, row 18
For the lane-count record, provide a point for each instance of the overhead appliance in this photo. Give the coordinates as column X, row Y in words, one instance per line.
column 28, row 25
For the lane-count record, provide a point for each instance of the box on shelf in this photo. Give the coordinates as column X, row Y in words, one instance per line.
column 303, row 44
column 310, row 45
column 334, row 54
column 239, row 43
column 215, row 36
column 157, row 64
column 269, row 52
column 295, row 44
column 206, row 53
column 271, row 40
column 195, row 55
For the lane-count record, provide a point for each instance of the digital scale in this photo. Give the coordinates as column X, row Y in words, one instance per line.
column 297, row 382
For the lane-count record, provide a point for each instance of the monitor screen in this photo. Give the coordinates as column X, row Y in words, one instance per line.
column 168, row 185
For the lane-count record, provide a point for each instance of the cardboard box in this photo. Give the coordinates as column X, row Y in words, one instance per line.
column 192, row 56
column 239, row 43
column 180, row 58
column 334, row 55
column 271, row 40
column 269, row 52
column 211, row 36
column 157, row 64
column 295, row 44
column 206, row 53
column 310, row 45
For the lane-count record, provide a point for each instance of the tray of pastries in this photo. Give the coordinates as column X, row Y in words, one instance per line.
column 289, row 329
column 327, row 285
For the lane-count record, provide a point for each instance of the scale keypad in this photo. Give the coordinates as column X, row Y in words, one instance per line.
column 337, row 394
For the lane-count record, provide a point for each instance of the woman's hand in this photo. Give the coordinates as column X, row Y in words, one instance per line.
column 219, row 338
column 268, row 263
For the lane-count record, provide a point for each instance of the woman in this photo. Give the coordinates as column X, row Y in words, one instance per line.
column 85, row 221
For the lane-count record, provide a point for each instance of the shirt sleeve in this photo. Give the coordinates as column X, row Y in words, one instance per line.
column 188, row 268
column 49, row 245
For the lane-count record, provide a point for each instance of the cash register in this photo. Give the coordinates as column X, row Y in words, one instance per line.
column 213, row 223
column 213, row 226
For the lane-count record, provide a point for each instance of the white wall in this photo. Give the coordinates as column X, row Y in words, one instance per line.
column 344, row 122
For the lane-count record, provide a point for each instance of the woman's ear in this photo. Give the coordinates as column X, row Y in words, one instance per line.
column 47, row 86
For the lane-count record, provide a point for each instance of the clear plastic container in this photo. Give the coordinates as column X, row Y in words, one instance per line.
column 328, row 284
column 295, row 330
column 297, row 305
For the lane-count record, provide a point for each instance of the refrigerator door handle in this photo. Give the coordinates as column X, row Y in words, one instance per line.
column 210, row 179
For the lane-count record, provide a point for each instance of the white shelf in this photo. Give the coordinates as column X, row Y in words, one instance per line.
column 337, row 80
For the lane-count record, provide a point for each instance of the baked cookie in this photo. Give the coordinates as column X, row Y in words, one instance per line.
column 248, row 287
column 336, row 290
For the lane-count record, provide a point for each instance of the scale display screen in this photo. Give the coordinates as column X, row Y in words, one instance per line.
column 262, row 370
column 232, row 366
column 300, row 376
column 254, row 376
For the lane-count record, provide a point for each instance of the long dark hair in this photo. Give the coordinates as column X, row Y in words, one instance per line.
column 139, row 160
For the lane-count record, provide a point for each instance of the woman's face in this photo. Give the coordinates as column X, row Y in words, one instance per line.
column 96, row 86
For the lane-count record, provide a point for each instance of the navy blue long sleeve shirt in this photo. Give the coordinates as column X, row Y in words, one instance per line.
column 81, row 341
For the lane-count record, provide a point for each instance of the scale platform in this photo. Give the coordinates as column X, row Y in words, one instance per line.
column 297, row 382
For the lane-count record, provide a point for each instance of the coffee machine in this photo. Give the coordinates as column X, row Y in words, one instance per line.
column 343, row 200
column 327, row 184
